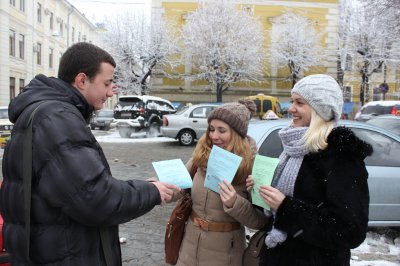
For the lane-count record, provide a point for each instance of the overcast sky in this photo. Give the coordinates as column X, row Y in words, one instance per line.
column 97, row 10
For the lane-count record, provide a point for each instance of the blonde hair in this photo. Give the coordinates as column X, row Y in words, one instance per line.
column 316, row 136
column 237, row 145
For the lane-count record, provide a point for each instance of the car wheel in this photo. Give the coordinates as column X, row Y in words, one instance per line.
column 92, row 127
column 125, row 132
column 154, row 130
column 186, row 138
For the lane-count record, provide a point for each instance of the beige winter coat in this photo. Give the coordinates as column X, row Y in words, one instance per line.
column 218, row 248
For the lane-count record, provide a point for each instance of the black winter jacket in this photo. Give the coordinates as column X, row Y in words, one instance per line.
column 328, row 213
column 73, row 192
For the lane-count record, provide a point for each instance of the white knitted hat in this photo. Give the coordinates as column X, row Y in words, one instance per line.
column 323, row 94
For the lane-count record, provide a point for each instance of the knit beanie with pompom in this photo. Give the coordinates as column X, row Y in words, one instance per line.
column 237, row 115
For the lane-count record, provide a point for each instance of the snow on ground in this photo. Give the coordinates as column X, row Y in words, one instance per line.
column 113, row 137
column 380, row 248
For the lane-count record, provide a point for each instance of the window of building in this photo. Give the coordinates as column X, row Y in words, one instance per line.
column 51, row 20
column 12, row 88
column 84, row 37
column 51, row 53
column 73, row 35
column 21, row 42
column 39, row 12
column 12, row 42
column 22, row 5
column 21, row 84
column 12, row 2
column 347, row 93
column 39, row 53
column 61, row 28
column 79, row 36
column 349, row 63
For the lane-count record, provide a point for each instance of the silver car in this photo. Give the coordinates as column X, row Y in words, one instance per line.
column 102, row 119
column 187, row 124
column 383, row 165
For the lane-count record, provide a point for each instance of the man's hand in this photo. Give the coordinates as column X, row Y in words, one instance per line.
column 166, row 191
column 227, row 193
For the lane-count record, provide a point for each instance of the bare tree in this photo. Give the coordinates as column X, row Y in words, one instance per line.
column 139, row 47
column 223, row 45
column 295, row 43
column 369, row 42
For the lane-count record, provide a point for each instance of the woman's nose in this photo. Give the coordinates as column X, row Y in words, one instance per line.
column 292, row 109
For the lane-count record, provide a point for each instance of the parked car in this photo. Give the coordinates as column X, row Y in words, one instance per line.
column 5, row 126
column 383, row 165
column 188, row 124
column 264, row 103
column 388, row 122
column 102, row 119
column 133, row 113
column 375, row 108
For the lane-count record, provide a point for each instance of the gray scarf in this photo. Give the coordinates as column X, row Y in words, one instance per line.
column 286, row 172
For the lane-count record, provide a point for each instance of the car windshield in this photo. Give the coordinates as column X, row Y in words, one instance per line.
column 105, row 113
column 3, row 113
column 182, row 110
column 377, row 109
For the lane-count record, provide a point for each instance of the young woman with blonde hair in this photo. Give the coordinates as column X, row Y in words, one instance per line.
column 319, row 194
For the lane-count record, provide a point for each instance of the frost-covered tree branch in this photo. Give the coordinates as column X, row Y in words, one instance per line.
column 223, row 45
column 369, row 41
column 139, row 46
column 295, row 43
column 388, row 11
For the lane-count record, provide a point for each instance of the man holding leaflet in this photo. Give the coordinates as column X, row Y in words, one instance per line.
column 319, row 194
column 76, row 204
column 215, row 235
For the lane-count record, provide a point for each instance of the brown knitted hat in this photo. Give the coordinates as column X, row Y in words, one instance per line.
column 237, row 115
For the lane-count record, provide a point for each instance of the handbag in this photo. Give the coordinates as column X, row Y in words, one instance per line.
column 176, row 225
column 251, row 255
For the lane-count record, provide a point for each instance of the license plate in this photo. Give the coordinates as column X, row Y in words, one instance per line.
column 125, row 115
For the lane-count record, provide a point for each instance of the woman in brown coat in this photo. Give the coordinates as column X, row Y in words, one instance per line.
column 215, row 234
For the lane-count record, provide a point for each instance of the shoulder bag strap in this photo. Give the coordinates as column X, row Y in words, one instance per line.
column 105, row 242
column 27, row 179
column 192, row 173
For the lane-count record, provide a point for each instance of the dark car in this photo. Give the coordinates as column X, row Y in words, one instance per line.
column 133, row 113
column 102, row 119
column 383, row 165
column 388, row 122
column 376, row 108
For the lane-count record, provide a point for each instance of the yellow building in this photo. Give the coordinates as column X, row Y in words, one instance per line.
column 324, row 13
column 33, row 36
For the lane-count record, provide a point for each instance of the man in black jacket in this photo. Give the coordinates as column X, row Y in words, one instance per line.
column 74, row 196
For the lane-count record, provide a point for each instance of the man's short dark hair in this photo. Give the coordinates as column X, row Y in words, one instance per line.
column 85, row 58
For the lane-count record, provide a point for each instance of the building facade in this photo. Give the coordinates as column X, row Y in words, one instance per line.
column 324, row 14
column 33, row 36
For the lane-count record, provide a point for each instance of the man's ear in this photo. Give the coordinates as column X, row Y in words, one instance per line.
column 80, row 81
